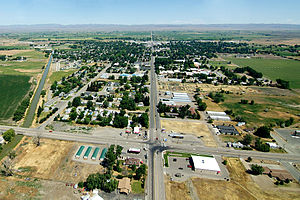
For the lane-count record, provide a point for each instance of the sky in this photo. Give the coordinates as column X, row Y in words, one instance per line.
column 132, row 12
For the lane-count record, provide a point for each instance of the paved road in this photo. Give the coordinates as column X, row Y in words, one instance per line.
column 293, row 171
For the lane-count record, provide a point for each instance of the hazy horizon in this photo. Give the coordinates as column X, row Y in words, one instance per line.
column 142, row 12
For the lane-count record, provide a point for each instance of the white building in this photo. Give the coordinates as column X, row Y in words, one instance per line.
column 205, row 163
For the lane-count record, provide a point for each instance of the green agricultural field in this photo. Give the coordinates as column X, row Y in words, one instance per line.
column 12, row 90
column 57, row 76
column 33, row 65
column 273, row 68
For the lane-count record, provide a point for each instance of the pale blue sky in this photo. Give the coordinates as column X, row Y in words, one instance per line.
column 149, row 11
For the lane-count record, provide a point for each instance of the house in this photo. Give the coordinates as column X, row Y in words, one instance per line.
column 132, row 161
column 124, row 186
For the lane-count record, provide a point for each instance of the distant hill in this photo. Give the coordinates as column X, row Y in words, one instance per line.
column 146, row 27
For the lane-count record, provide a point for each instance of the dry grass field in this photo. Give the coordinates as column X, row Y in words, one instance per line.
column 176, row 190
column 52, row 160
column 187, row 127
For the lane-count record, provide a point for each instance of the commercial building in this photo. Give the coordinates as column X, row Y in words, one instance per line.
column 205, row 163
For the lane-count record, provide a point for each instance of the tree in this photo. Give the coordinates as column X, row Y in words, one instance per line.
column 144, row 120
column 244, row 101
column 9, row 135
column 105, row 104
column 73, row 115
column 140, row 172
column 252, row 102
column 202, row 106
column 247, row 139
column 249, row 159
column 283, row 84
column 260, row 146
column 263, row 131
column 81, row 184
column 256, row 169
column 120, row 121
column 89, row 104
column 76, row 102
column 43, row 93
column 39, row 111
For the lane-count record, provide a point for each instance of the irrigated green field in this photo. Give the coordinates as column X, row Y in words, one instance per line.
column 12, row 91
column 273, row 68
column 266, row 110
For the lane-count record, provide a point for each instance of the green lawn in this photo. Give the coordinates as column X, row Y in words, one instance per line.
column 10, row 146
column 12, row 91
column 136, row 187
column 57, row 76
column 273, row 68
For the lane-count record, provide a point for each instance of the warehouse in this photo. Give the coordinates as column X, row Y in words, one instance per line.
column 181, row 97
column 220, row 118
column 205, row 163
column 228, row 130
column 214, row 113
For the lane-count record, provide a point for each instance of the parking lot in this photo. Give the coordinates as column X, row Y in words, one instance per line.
column 181, row 168
column 287, row 141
